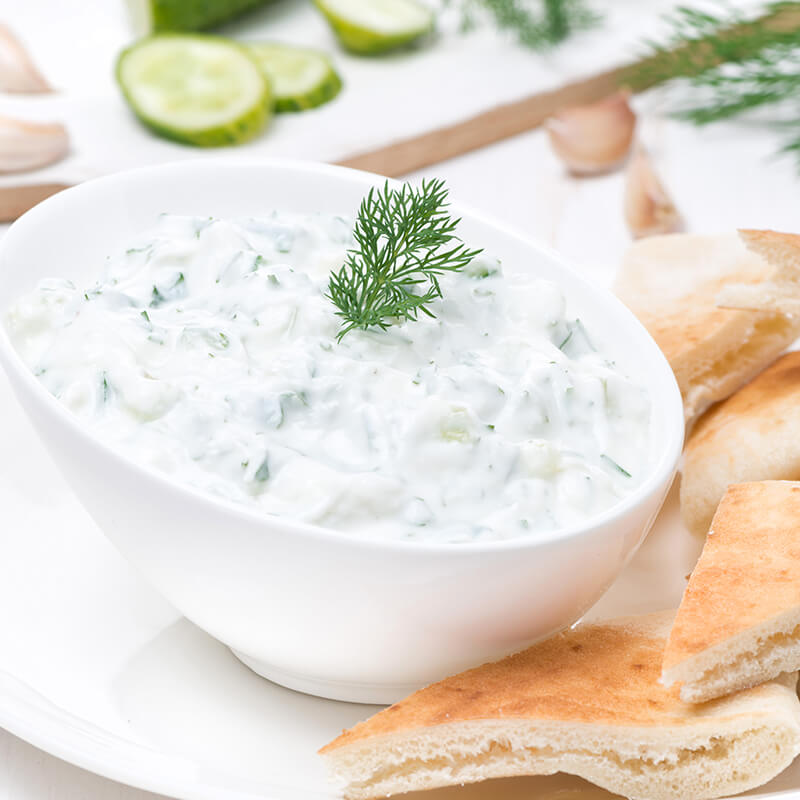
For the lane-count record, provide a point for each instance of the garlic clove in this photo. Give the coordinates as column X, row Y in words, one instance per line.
column 18, row 73
column 30, row 145
column 649, row 210
column 594, row 138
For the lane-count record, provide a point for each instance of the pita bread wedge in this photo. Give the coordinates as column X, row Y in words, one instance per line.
column 739, row 622
column 782, row 291
column 587, row 702
column 751, row 436
column 671, row 283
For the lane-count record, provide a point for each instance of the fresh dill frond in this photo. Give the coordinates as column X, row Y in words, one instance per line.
column 731, row 65
column 537, row 24
column 702, row 40
column 770, row 78
column 405, row 239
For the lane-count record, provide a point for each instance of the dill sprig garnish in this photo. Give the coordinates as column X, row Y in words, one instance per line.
column 405, row 240
column 732, row 65
column 537, row 24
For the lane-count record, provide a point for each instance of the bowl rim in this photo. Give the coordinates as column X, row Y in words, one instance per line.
column 660, row 475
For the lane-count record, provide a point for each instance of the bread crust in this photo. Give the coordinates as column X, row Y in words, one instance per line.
column 750, row 436
column 672, row 284
column 781, row 292
column 739, row 621
column 586, row 701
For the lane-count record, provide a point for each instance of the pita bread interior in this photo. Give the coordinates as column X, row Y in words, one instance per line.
column 739, row 622
column 671, row 283
column 587, row 702
column 751, row 436
column 782, row 291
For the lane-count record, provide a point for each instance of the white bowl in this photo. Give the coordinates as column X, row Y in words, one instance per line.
column 317, row 610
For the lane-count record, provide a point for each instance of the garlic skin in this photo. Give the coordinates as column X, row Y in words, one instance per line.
column 30, row 145
column 593, row 138
column 649, row 210
column 18, row 74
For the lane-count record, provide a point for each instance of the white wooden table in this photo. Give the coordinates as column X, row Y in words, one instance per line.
column 720, row 179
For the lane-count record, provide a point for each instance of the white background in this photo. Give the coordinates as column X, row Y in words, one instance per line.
column 720, row 179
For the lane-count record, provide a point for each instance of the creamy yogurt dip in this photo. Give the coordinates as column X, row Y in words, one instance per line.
column 208, row 351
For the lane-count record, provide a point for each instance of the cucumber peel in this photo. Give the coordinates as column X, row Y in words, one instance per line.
column 369, row 27
column 301, row 78
column 196, row 89
column 150, row 16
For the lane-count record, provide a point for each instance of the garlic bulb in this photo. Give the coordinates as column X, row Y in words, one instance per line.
column 594, row 138
column 30, row 145
column 17, row 71
column 648, row 208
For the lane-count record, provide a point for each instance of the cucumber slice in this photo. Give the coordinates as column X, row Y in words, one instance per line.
column 185, row 15
column 300, row 78
column 196, row 89
column 375, row 26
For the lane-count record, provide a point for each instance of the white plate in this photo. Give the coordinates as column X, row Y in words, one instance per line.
column 97, row 669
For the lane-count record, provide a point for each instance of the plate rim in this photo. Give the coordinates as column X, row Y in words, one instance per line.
column 33, row 718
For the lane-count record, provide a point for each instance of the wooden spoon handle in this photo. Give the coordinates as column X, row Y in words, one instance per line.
column 16, row 200
column 483, row 129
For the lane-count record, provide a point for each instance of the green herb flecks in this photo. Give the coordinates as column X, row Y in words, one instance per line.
column 481, row 269
column 148, row 249
column 577, row 342
column 199, row 225
column 614, row 464
column 262, row 473
column 284, row 243
column 175, row 292
column 405, row 240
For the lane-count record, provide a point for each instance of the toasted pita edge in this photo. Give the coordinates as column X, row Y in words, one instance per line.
column 724, row 748
column 734, row 351
column 781, row 292
column 738, row 624
column 765, row 340
column 747, row 659
column 767, row 296
column 779, row 249
column 728, row 759
column 730, row 445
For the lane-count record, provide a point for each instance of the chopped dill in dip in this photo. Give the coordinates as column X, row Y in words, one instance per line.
column 208, row 351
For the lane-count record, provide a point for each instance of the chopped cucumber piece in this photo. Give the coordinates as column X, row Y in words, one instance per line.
column 300, row 78
column 375, row 26
column 149, row 16
column 196, row 89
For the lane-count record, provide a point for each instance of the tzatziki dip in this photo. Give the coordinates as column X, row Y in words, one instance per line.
column 207, row 350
